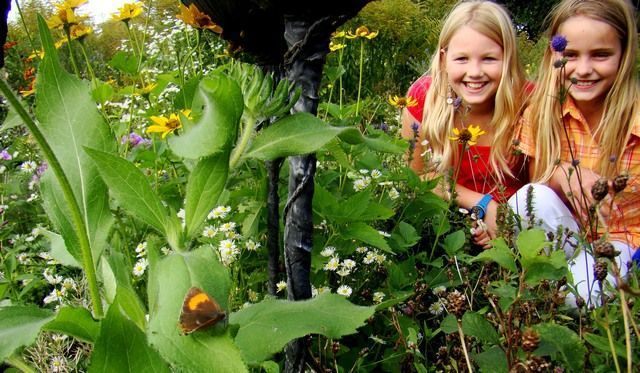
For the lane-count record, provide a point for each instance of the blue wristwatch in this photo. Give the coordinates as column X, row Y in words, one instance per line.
column 481, row 207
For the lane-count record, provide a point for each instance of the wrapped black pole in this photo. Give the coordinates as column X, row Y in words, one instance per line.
column 273, row 223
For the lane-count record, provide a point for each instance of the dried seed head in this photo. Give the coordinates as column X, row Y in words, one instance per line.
column 600, row 189
column 537, row 364
column 620, row 182
column 600, row 270
column 580, row 302
column 530, row 340
column 456, row 303
column 604, row 249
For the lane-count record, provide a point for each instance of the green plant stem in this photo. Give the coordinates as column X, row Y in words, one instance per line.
column 76, row 215
column 89, row 68
column 610, row 339
column 360, row 77
column 19, row 363
column 237, row 152
column 464, row 345
column 26, row 29
column 627, row 334
column 72, row 55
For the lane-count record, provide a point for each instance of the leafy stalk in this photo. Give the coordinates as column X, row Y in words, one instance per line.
column 76, row 215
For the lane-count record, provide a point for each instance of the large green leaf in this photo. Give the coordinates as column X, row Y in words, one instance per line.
column 300, row 133
column 76, row 322
column 565, row 342
column 216, row 130
column 130, row 188
column 531, row 242
column 267, row 326
column 59, row 250
column 206, row 182
column 169, row 282
column 543, row 267
column 492, row 360
column 499, row 253
column 19, row 326
column 453, row 242
column 70, row 121
column 123, row 347
column 476, row 325
column 366, row 233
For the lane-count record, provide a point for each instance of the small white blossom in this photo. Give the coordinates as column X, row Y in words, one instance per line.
column 209, row 231
column 228, row 226
column 141, row 249
column 324, row 289
column 378, row 296
column 50, row 277
column 364, row 171
column 32, row 197
column 342, row 272
column 344, row 290
column 56, row 295
column 332, row 265
column 328, row 251
column 23, row 258
column 361, row 184
column 232, row 235
column 439, row 290
column 280, row 286
column 181, row 214
column 252, row 246
column 219, row 212
column 384, row 234
column 393, row 193
column 140, row 267
column 28, row 166
column 58, row 364
column 375, row 174
column 349, row 264
column 362, row 249
column 437, row 307
column 69, row 284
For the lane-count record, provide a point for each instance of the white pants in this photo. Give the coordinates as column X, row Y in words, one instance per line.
column 550, row 213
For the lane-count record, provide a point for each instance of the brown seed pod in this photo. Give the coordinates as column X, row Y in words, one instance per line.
column 620, row 183
column 600, row 189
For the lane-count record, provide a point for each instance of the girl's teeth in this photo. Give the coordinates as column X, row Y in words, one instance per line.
column 584, row 84
column 475, row 85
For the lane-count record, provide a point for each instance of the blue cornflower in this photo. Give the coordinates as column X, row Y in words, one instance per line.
column 558, row 43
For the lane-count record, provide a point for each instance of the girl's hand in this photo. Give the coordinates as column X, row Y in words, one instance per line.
column 485, row 230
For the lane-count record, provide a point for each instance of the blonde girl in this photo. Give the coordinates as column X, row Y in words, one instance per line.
column 475, row 79
column 593, row 137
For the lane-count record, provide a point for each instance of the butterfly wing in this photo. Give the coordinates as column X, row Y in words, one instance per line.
column 199, row 310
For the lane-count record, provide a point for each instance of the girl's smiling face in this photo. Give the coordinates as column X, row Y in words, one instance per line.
column 593, row 56
column 473, row 63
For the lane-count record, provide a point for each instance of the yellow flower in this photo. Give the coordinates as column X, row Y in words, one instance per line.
column 39, row 54
column 362, row 32
column 468, row 136
column 31, row 89
column 402, row 102
column 128, row 11
column 58, row 44
column 335, row 46
column 80, row 31
column 338, row 34
column 146, row 90
column 64, row 17
column 186, row 113
column 194, row 17
column 73, row 4
column 165, row 125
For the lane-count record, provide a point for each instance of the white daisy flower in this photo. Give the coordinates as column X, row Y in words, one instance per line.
column 332, row 265
column 328, row 251
column 344, row 290
column 209, row 231
column 280, row 286
column 378, row 296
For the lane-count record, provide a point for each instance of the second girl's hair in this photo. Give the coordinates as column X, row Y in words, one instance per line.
column 620, row 108
column 493, row 21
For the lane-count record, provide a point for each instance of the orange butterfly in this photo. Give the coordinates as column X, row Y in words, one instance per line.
column 199, row 310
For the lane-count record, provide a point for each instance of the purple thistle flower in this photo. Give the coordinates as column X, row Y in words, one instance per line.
column 134, row 139
column 415, row 127
column 575, row 162
column 4, row 154
column 558, row 43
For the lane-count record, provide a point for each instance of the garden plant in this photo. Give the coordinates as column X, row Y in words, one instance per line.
column 150, row 222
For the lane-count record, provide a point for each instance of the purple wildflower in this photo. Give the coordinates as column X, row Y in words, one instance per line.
column 575, row 162
column 134, row 139
column 457, row 102
column 558, row 43
column 415, row 126
column 41, row 169
column 384, row 126
column 4, row 154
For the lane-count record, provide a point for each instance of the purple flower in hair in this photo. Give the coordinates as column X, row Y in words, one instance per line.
column 457, row 102
column 558, row 43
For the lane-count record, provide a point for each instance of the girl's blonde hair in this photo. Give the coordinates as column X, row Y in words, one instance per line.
column 620, row 108
column 493, row 21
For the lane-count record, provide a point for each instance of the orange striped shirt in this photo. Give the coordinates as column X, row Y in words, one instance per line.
column 625, row 224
